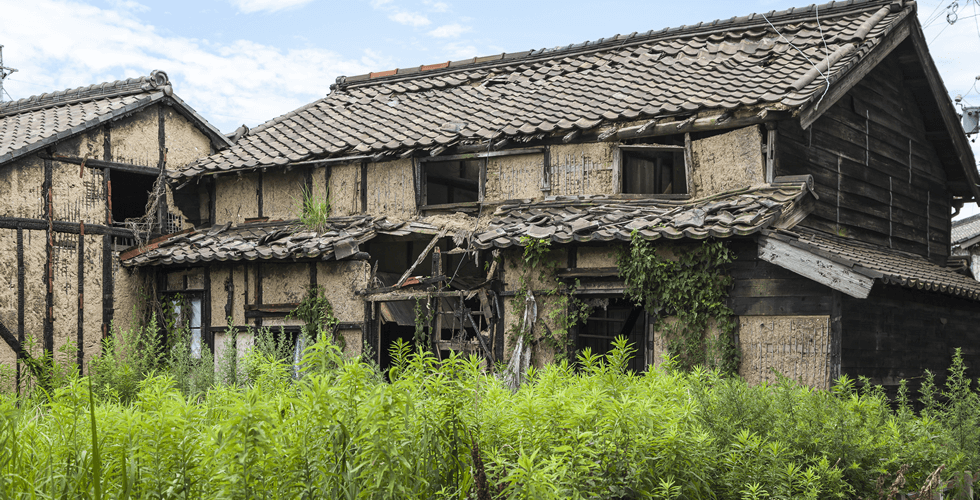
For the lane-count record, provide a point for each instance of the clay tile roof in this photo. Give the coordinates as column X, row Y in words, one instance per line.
column 965, row 229
column 32, row 123
column 566, row 219
column 890, row 266
column 715, row 66
column 560, row 219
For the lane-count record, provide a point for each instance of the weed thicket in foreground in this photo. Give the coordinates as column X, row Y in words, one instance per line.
column 446, row 429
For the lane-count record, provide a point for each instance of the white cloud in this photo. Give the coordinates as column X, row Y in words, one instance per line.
column 436, row 6
column 250, row 6
column 449, row 31
column 229, row 84
column 457, row 51
column 409, row 19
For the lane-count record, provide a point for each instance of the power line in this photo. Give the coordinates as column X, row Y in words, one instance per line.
column 4, row 73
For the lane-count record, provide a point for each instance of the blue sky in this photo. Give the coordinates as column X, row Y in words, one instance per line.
column 247, row 61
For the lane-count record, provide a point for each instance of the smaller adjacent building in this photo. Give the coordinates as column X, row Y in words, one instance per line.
column 965, row 239
column 80, row 180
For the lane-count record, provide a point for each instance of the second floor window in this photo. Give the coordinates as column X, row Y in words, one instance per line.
column 451, row 182
column 653, row 170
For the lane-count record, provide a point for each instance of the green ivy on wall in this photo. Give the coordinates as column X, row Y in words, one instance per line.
column 691, row 288
column 567, row 310
column 317, row 314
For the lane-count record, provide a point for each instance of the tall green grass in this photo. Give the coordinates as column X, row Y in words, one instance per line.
column 446, row 429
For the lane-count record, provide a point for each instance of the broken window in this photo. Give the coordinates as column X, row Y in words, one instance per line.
column 653, row 170
column 612, row 318
column 184, row 294
column 129, row 194
column 451, row 182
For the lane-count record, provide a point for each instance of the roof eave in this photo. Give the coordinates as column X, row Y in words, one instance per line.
column 947, row 111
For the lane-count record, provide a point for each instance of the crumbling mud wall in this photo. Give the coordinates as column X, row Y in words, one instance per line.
column 513, row 268
column 514, row 177
column 345, row 189
column 282, row 194
column 8, row 292
column 391, row 189
column 131, row 289
column 595, row 257
column 136, row 139
column 578, row 169
column 21, row 184
column 236, row 198
column 727, row 161
column 798, row 347
column 184, row 141
column 341, row 282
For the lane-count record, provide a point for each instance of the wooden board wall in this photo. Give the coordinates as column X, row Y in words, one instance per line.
column 897, row 333
column 878, row 177
column 764, row 289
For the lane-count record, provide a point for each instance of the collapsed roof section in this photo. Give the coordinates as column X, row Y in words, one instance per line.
column 31, row 124
column 737, row 68
column 593, row 218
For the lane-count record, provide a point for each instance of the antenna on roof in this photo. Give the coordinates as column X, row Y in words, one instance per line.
column 4, row 73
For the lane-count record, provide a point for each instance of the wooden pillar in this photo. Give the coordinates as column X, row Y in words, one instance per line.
column 48, row 333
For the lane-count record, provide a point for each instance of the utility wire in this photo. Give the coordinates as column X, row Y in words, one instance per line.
column 825, row 77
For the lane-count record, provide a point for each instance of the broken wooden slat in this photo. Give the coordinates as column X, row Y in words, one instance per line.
column 819, row 269
column 428, row 248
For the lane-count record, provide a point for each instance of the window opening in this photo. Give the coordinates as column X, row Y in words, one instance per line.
column 130, row 192
column 184, row 293
column 450, row 182
column 655, row 170
column 619, row 317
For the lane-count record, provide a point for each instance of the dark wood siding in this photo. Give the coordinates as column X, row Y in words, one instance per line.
column 878, row 177
column 764, row 289
column 897, row 333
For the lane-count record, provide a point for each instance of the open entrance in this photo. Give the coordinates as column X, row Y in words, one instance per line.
column 461, row 313
column 617, row 317
column 130, row 192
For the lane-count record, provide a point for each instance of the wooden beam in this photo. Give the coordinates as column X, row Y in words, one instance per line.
column 484, row 154
column 428, row 248
column 841, row 86
column 719, row 121
column 92, row 163
column 817, row 268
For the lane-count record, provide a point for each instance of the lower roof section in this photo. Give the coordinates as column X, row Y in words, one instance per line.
column 561, row 220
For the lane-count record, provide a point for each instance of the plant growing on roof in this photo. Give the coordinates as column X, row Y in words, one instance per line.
column 692, row 290
column 313, row 213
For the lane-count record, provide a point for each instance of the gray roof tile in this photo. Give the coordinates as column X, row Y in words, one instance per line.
column 683, row 70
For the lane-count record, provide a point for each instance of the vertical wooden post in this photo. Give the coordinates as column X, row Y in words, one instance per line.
column 364, row 194
column 836, row 333
column 80, row 334
column 48, row 340
column 20, row 296
column 108, row 286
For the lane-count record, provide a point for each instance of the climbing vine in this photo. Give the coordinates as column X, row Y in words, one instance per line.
column 423, row 318
column 691, row 289
column 567, row 310
column 317, row 314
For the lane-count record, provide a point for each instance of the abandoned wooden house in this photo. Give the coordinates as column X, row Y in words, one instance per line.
column 826, row 155
column 78, row 169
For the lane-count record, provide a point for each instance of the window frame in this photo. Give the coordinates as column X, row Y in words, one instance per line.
column 619, row 167
column 420, row 186
column 190, row 294
column 423, row 183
